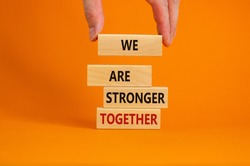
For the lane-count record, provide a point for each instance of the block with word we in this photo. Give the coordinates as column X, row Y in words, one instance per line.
column 129, row 45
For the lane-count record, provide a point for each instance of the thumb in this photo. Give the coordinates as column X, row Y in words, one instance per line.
column 94, row 16
column 161, row 16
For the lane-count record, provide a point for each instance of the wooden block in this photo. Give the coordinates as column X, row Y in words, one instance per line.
column 129, row 45
column 136, row 97
column 119, row 75
column 110, row 118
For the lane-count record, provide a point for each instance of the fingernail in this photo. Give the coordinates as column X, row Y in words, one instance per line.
column 172, row 38
column 170, row 41
column 92, row 35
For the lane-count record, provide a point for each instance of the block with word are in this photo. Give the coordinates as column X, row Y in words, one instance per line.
column 119, row 75
column 129, row 45
column 111, row 118
column 136, row 97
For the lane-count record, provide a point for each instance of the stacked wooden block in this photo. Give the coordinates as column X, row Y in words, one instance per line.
column 130, row 101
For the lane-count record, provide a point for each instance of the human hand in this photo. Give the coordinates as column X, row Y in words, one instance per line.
column 165, row 15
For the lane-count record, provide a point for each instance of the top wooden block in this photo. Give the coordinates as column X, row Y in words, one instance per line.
column 130, row 45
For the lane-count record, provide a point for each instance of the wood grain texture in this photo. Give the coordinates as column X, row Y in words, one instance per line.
column 135, row 97
column 146, row 45
column 110, row 118
column 139, row 75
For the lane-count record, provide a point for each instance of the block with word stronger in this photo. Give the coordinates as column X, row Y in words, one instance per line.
column 111, row 118
column 136, row 97
column 129, row 45
column 119, row 75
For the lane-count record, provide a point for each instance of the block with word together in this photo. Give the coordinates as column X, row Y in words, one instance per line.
column 119, row 75
column 135, row 97
column 129, row 45
column 111, row 118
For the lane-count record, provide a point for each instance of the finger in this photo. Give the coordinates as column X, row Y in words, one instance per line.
column 161, row 16
column 173, row 8
column 94, row 15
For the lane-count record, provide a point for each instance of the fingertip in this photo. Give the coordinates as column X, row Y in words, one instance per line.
column 92, row 34
column 166, row 41
column 94, row 31
column 95, row 18
column 166, row 44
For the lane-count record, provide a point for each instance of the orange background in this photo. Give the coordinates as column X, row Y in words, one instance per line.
column 47, row 112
